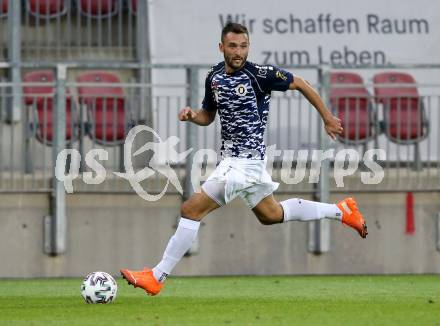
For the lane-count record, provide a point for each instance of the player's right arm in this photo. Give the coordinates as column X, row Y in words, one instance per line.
column 200, row 117
column 206, row 115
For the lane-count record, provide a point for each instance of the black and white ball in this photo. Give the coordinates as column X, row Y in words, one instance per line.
column 99, row 287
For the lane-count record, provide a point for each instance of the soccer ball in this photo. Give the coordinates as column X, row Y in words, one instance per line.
column 99, row 287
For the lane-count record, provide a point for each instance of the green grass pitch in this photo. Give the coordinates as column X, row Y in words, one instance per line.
column 277, row 300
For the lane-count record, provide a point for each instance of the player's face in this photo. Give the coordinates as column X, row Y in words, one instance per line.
column 235, row 48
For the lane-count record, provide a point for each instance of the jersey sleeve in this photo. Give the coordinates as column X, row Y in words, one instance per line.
column 208, row 103
column 277, row 79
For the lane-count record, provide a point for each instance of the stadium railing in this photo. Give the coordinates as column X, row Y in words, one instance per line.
column 81, row 30
column 411, row 164
column 100, row 114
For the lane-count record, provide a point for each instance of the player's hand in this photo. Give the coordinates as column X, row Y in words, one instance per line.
column 333, row 126
column 187, row 114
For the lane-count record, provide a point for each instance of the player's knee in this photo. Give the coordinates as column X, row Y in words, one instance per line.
column 189, row 211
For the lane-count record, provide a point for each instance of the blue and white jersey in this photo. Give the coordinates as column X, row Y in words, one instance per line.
column 242, row 101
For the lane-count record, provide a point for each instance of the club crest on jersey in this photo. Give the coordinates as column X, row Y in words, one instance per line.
column 241, row 90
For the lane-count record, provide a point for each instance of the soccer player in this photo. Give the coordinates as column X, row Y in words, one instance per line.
column 240, row 92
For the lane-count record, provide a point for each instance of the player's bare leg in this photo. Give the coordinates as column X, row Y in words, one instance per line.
column 269, row 211
column 198, row 206
column 192, row 211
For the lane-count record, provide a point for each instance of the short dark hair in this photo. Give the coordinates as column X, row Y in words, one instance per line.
column 236, row 28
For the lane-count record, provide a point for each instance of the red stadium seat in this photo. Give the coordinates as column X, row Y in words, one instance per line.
column 41, row 99
column 404, row 115
column 132, row 6
column 107, row 107
column 351, row 103
column 47, row 8
column 99, row 8
column 3, row 8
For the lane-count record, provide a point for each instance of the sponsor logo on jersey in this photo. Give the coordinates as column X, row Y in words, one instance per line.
column 262, row 72
column 281, row 75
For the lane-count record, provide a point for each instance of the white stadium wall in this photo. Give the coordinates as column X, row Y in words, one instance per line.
column 109, row 232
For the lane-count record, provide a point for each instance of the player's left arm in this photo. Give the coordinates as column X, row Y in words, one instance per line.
column 333, row 125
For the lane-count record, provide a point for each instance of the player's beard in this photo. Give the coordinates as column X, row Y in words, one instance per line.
column 235, row 64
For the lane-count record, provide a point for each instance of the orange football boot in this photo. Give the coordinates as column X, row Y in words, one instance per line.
column 142, row 279
column 351, row 216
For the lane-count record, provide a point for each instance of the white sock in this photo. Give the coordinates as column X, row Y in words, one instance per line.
column 297, row 209
column 177, row 246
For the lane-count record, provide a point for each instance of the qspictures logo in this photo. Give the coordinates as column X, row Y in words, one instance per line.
column 164, row 154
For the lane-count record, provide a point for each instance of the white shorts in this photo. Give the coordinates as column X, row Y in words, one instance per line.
column 241, row 177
